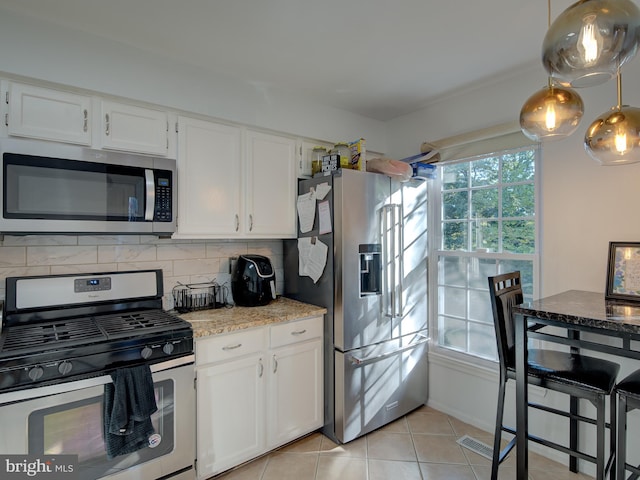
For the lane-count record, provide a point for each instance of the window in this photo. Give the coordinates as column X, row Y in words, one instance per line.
column 487, row 225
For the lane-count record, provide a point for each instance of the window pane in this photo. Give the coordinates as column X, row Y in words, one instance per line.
column 482, row 341
column 484, row 203
column 455, row 176
column 480, row 269
column 453, row 301
column 454, row 236
column 455, row 205
column 486, row 235
column 518, row 167
column 518, row 236
column 518, row 201
column 485, row 172
column 480, row 306
column 454, row 271
column 452, row 333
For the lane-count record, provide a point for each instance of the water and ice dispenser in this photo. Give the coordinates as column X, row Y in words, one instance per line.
column 370, row 269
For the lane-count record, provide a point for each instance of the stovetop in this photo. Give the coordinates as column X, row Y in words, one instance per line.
column 86, row 334
column 29, row 338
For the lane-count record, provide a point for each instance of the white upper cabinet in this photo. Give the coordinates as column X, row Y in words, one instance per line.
column 209, row 178
column 134, row 129
column 227, row 191
column 48, row 114
column 271, row 185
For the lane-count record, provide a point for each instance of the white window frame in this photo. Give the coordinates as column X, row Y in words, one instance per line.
column 435, row 253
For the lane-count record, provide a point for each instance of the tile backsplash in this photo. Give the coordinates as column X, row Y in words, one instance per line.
column 183, row 261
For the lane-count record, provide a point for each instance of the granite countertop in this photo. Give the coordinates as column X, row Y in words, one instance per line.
column 224, row 320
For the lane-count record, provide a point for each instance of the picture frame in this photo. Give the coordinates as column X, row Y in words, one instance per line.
column 623, row 272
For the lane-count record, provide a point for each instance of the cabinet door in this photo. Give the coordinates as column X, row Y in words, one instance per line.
column 295, row 399
column 209, row 178
column 46, row 114
column 230, row 414
column 134, row 129
column 271, row 186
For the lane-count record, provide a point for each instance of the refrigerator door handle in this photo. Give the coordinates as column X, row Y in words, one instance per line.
column 364, row 361
column 393, row 241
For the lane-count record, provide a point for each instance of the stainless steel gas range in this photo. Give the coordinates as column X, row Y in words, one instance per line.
column 66, row 343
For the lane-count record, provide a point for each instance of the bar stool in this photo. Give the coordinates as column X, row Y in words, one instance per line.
column 628, row 391
column 576, row 375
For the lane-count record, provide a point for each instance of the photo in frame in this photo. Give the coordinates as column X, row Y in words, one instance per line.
column 623, row 272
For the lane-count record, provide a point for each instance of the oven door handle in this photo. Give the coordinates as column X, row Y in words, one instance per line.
column 36, row 392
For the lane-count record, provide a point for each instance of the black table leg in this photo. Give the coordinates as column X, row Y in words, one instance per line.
column 522, row 414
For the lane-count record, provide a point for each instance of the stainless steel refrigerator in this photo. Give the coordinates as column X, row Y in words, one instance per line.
column 374, row 286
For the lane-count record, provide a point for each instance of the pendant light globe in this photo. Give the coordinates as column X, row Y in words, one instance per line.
column 613, row 139
column 551, row 113
column 590, row 40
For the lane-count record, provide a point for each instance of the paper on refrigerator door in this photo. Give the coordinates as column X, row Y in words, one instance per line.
column 306, row 206
column 312, row 257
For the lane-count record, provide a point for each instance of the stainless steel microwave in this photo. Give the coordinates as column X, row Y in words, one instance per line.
column 67, row 189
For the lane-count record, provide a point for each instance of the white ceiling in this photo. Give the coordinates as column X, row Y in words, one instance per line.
column 377, row 58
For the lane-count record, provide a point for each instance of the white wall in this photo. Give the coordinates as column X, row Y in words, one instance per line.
column 43, row 51
column 584, row 206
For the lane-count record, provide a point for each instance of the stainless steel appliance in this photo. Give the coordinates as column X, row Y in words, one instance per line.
column 253, row 282
column 56, row 188
column 374, row 287
column 61, row 339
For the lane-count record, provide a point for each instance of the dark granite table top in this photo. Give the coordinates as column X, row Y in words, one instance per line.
column 585, row 309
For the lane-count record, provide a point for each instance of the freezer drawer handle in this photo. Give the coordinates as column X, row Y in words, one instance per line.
column 363, row 361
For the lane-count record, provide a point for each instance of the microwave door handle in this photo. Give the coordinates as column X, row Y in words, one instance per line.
column 151, row 195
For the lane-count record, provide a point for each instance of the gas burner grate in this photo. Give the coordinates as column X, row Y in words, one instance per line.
column 36, row 336
column 142, row 322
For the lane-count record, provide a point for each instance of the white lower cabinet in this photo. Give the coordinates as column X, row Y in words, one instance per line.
column 256, row 390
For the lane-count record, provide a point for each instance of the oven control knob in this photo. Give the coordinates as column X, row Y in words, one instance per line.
column 65, row 367
column 146, row 352
column 168, row 348
column 35, row 373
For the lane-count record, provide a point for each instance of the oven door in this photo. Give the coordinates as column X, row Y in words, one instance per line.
column 68, row 419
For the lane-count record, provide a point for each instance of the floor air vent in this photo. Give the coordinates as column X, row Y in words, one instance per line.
column 476, row 446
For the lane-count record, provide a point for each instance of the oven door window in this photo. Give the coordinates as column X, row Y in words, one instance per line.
column 56, row 189
column 77, row 428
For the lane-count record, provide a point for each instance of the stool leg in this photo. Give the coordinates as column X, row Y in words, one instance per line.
column 621, row 446
column 600, row 428
column 495, row 463
column 573, row 434
column 612, row 437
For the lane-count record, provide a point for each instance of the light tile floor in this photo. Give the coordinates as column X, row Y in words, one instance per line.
column 419, row 446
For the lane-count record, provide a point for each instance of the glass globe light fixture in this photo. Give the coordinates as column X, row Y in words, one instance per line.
column 590, row 40
column 614, row 137
column 551, row 113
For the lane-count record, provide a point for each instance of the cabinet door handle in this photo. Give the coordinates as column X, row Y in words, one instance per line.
column 232, row 347
column 250, row 222
column 299, row 332
column 85, row 125
column 275, row 364
column 106, row 124
column 237, row 222
column 260, row 368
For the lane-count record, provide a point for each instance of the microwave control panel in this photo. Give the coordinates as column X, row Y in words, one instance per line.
column 162, row 210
